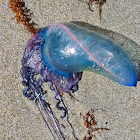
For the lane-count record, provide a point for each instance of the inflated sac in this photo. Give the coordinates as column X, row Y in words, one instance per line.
column 68, row 48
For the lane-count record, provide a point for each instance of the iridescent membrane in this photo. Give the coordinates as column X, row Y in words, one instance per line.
column 68, row 49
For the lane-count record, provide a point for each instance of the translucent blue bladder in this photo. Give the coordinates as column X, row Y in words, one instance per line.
column 68, row 48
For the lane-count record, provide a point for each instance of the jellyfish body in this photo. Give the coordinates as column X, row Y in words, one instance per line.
column 61, row 52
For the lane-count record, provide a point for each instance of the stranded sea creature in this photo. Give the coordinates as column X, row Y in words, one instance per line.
column 67, row 50
column 59, row 53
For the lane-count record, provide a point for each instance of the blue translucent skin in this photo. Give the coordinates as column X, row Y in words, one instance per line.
column 68, row 48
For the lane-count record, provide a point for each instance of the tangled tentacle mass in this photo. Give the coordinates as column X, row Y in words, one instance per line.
column 32, row 65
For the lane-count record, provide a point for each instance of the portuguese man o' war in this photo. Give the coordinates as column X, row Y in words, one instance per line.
column 67, row 50
column 59, row 54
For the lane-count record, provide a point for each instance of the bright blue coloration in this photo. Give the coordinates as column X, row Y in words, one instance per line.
column 68, row 48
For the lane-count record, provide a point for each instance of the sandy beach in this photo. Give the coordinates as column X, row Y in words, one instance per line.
column 115, row 107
